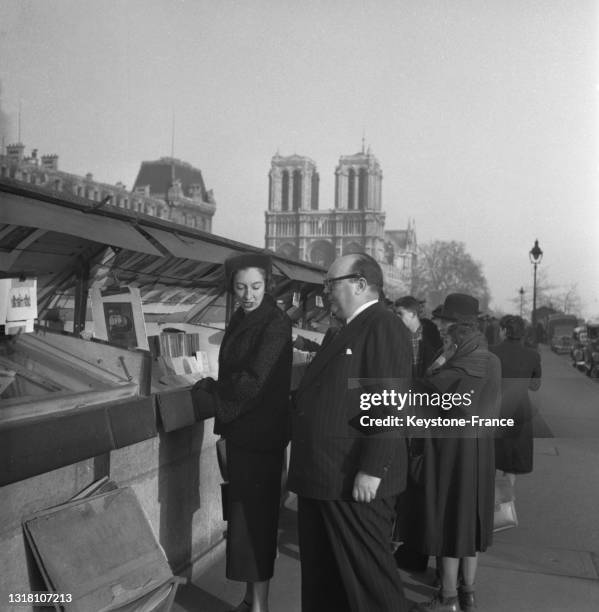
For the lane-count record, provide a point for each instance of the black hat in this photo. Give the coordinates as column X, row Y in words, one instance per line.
column 457, row 307
column 243, row 261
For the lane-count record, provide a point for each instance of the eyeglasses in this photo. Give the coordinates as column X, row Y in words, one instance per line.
column 329, row 282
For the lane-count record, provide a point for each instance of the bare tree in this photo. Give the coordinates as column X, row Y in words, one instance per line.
column 546, row 295
column 445, row 267
column 568, row 301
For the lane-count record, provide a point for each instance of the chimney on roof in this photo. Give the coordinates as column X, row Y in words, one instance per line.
column 15, row 152
column 89, row 176
column 50, row 162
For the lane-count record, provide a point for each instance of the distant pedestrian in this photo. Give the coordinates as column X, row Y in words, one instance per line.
column 426, row 344
column 426, row 339
column 521, row 372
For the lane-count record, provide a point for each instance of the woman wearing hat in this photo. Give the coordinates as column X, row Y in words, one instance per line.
column 250, row 405
column 456, row 496
column 521, row 371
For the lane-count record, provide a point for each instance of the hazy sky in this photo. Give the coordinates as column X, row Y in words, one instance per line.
column 482, row 113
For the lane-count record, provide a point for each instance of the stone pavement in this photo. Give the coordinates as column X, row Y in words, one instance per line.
column 549, row 563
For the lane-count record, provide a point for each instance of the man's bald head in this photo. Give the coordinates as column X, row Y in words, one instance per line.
column 360, row 280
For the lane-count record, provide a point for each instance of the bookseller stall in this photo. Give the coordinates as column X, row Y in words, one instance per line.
column 102, row 312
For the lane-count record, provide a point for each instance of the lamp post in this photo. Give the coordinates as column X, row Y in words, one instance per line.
column 535, row 254
column 521, row 292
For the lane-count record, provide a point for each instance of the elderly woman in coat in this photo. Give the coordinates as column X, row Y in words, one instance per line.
column 521, row 372
column 456, row 500
column 250, row 401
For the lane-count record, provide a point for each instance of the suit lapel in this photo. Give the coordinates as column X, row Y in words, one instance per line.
column 338, row 343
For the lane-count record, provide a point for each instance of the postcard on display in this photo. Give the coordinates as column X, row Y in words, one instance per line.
column 18, row 300
column 118, row 317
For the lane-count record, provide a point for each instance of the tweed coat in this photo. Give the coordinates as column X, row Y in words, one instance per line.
column 521, row 371
column 326, row 450
column 252, row 392
column 452, row 509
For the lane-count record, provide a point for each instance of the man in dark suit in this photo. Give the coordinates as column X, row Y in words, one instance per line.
column 347, row 480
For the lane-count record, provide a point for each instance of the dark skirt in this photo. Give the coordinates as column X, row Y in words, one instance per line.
column 253, row 503
column 514, row 450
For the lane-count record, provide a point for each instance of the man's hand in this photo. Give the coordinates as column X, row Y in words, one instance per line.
column 365, row 487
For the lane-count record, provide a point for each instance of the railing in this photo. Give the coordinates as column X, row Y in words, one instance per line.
column 310, row 224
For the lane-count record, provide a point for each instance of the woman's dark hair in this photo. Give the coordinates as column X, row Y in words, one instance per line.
column 268, row 280
column 513, row 325
column 243, row 262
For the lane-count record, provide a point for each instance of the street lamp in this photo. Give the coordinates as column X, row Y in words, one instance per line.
column 535, row 256
column 521, row 292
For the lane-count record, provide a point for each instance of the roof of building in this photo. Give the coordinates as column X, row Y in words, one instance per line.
column 288, row 160
column 158, row 175
column 400, row 238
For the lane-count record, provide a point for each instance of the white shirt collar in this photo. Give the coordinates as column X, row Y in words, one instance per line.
column 359, row 310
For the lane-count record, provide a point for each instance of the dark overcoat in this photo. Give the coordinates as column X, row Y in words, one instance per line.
column 252, row 392
column 430, row 345
column 327, row 451
column 521, row 371
column 452, row 509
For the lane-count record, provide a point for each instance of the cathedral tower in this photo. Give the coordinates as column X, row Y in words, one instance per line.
column 296, row 228
column 358, row 180
column 293, row 184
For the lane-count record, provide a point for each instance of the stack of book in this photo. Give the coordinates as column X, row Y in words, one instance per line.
column 179, row 353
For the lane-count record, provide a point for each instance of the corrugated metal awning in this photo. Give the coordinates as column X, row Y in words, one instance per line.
column 299, row 272
column 27, row 212
column 188, row 247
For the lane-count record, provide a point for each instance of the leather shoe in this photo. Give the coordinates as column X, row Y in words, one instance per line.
column 467, row 600
column 438, row 604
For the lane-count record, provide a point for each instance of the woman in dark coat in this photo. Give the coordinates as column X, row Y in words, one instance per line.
column 458, row 472
column 521, row 371
column 250, row 402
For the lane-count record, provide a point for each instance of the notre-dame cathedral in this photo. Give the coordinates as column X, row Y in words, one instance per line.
column 295, row 227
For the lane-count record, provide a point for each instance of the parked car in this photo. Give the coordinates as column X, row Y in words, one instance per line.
column 562, row 343
column 557, row 324
column 591, row 350
column 579, row 339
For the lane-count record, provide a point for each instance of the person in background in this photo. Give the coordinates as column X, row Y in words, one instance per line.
column 347, row 480
column 426, row 339
column 426, row 344
column 429, row 329
column 454, row 517
column 521, row 372
column 489, row 326
column 250, row 401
